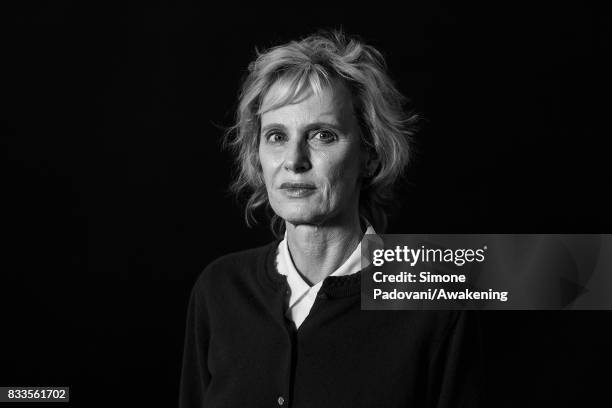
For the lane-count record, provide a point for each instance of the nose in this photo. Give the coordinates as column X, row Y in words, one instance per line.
column 296, row 157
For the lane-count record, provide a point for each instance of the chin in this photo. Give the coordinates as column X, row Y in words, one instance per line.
column 297, row 219
column 299, row 215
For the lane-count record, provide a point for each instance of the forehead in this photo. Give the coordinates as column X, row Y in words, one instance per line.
column 330, row 102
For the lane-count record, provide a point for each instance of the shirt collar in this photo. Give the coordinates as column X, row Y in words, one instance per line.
column 299, row 288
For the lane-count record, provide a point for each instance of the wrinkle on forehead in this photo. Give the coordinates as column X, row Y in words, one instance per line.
column 283, row 93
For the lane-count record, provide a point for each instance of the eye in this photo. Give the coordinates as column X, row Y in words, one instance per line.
column 275, row 136
column 324, row 136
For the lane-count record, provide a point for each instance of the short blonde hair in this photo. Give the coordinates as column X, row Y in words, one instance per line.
column 314, row 62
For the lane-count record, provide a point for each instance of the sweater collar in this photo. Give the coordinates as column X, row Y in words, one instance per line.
column 345, row 281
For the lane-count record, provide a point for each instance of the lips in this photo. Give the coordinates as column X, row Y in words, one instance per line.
column 292, row 186
column 297, row 190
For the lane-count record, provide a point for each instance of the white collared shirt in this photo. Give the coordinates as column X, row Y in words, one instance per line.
column 302, row 296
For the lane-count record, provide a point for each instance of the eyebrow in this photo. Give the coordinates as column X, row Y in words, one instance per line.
column 310, row 126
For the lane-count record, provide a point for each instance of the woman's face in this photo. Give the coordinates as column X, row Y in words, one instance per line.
column 311, row 157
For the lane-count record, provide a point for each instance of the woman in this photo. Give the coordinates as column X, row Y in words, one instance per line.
column 320, row 139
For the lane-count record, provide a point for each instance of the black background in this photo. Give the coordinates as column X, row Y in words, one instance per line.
column 114, row 188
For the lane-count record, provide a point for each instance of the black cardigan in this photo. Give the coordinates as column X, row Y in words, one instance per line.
column 241, row 351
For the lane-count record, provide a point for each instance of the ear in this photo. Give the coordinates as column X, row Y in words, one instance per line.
column 370, row 163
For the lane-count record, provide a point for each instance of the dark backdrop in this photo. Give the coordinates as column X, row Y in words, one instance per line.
column 114, row 186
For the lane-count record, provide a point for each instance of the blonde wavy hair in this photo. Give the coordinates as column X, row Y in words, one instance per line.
column 310, row 65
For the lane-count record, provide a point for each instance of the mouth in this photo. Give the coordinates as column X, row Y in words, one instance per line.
column 298, row 189
column 291, row 186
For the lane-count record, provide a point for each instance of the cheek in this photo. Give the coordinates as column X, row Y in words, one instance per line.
column 266, row 162
column 342, row 177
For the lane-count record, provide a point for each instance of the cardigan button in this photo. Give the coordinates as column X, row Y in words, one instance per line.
column 281, row 401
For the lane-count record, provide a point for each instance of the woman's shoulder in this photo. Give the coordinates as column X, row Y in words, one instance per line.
column 244, row 258
column 236, row 265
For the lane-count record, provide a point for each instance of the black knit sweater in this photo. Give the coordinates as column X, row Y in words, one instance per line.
column 241, row 350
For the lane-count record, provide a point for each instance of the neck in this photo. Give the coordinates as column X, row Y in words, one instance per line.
column 317, row 251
